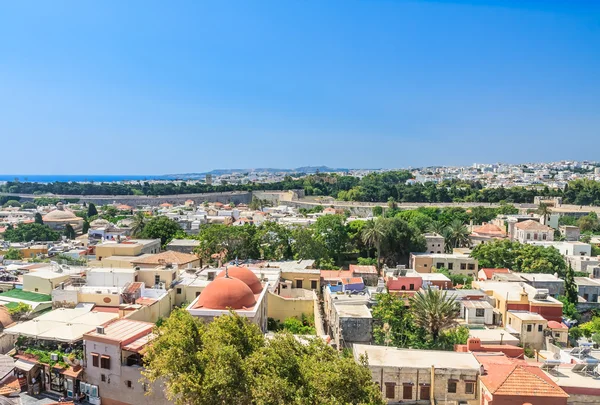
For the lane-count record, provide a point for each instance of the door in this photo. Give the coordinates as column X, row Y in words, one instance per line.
column 425, row 391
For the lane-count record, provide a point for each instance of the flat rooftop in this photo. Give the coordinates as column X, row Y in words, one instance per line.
column 586, row 281
column 184, row 242
column 348, row 310
column 566, row 378
column 539, row 277
column 494, row 336
column 527, row 316
column 384, row 356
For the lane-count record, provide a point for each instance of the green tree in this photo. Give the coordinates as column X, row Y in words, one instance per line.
column 86, row 226
column 139, row 223
column 38, row 218
column 571, row 291
column 31, row 232
column 162, row 228
column 458, row 234
column 273, row 241
column 377, row 211
column 434, row 311
column 13, row 254
column 12, row 203
column 330, row 230
column 70, row 232
column 393, row 323
column 29, row 205
column 373, row 235
column 92, row 211
column 228, row 361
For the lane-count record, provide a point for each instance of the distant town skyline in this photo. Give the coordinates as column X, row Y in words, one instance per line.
column 149, row 88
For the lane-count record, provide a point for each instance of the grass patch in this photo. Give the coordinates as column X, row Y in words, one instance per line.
column 26, row 295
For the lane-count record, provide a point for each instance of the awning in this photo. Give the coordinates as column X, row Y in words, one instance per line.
column 24, row 365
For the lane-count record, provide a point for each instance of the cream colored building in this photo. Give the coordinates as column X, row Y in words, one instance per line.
column 61, row 217
column 529, row 327
column 456, row 263
column 43, row 282
column 422, row 376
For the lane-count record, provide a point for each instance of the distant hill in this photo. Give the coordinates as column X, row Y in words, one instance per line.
column 220, row 172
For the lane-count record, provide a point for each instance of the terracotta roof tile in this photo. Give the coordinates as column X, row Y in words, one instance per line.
column 531, row 225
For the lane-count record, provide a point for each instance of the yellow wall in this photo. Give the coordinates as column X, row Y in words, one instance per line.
column 30, row 252
column 42, row 285
column 114, row 262
column 151, row 313
column 167, row 276
column 99, row 299
column 118, row 249
column 188, row 293
column 305, row 277
column 423, row 264
column 281, row 308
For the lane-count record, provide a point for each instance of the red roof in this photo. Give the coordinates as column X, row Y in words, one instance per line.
column 335, row 274
column 508, row 377
column 557, row 325
column 355, row 268
column 489, row 273
column 352, row 280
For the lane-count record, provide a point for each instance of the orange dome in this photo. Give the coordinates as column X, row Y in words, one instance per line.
column 225, row 293
column 246, row 275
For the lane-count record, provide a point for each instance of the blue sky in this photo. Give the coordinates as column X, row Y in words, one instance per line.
column 149, row 87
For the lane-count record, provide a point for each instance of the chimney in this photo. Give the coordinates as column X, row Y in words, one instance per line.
column 473, row 344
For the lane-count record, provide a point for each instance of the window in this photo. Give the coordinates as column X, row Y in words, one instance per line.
column 412, row 287
column 103, row 377
column 128, row 383
column 509, row 321
column 403, row 287
column 439, row 265
column 179, row 291
column 528, row 236
column 424, row 265
column 390, row 390
column 105, row 362
column 407, row 391
column 557, row 335
column 451, row 387
column 298, row 283
column 544, row 236
column 36, row 290
column 469, row 387
column 95, row 358
column 425, row 391
column 540, row 328
column 197, row 293
column 479, row 312
column 471, row 266
column 450, row 266
column 535, row 236
column 463, row 266
column 156, row 279
column 529, row 328
column 313, row 284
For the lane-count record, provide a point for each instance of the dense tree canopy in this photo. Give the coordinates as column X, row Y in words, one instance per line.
column 31, row 232
column 375, row 187
column 519, row 257
column 162, row 228
column 228, row 361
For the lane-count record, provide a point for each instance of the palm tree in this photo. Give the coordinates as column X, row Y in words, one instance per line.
column 544, row 211
column 434, row 311
column 437, row 227
column 139, row 223
column 459, row 234
column 372, row 235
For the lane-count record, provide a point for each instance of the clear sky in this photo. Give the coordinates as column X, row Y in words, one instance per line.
column 153, row 87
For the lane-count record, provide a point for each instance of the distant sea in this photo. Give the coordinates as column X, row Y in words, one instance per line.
column 96, row 178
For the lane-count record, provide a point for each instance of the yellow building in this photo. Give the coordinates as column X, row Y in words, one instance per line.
column 529, row 327
column 175, row 259
column 455, row 263
column 109, row 249
column 291, row 303
column 156, row 276
column 43, row 282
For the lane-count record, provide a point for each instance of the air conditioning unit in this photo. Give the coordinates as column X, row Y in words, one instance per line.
column 541, row 294
column 100, row 330
column 53, row 356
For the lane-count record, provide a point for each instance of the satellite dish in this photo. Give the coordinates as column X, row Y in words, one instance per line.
column 556, row 356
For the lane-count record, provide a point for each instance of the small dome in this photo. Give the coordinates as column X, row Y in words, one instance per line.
column 246, row 275
column 100, row 222
column 60, row 214
column 225, row 293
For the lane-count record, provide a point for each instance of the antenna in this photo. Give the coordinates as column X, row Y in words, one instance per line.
column 226, row 272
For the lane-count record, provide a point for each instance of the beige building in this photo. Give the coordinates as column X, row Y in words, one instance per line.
column 114, row 355
column 411, row 376
column 174, row 259
column 531, row 230
column 43, row 282
column 435, row 243
column 131, row 247
column 293, row 302
column 163, row 275
column 529, row 327
column 456, row 263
